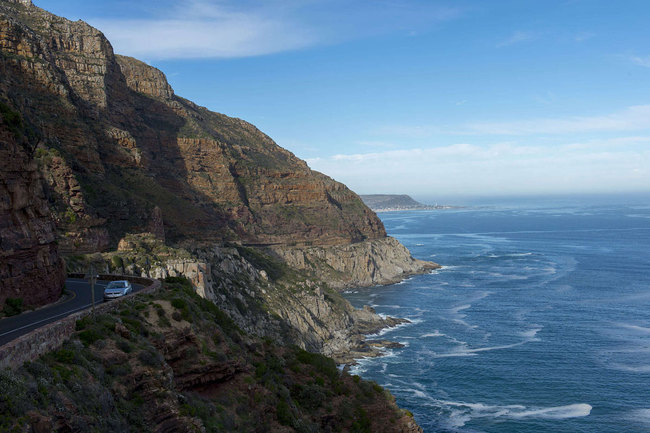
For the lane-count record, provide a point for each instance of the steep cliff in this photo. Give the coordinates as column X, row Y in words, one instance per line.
column 259, row 292
column 31, row 271
column 141, row 181
column 122, row 154
column 130, row 144
column 367, row 263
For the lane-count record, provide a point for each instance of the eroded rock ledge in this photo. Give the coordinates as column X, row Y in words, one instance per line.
column 368, row 263
column 269, row 298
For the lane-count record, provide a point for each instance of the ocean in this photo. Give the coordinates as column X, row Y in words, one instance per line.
column 539, row 320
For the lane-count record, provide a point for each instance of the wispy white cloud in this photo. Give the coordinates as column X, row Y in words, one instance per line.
column 228, row 28
column 205, row 29
column 641, row 61
column 634, row 118
column 517, row 38
column 503, row 168
column 376, row 144
column 630, row 119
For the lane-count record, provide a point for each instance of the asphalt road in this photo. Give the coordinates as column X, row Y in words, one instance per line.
column 80, row 299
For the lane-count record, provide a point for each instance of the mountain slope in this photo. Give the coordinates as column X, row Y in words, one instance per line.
column 173, row 362
column 116, row 142
column 164, row 187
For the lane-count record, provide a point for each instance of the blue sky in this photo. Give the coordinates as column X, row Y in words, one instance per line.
column 431, row 98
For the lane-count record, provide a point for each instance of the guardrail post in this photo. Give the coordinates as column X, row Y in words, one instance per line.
column 92, row 278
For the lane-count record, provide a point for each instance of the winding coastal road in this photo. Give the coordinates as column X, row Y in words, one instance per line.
column 79, row 299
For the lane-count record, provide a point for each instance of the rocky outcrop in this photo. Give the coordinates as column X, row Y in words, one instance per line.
column 144, row 79
column 368, row 263
column 30, row 267
column 263, row 295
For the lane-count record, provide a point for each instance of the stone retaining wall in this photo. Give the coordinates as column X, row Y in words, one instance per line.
column 49, row 337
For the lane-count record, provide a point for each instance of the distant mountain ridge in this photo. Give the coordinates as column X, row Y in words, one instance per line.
column 384, row 202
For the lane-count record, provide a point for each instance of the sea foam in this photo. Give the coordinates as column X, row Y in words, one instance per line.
column 460, row 413
column 640, row 415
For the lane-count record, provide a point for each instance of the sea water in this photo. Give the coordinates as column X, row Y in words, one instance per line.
column 538, row 321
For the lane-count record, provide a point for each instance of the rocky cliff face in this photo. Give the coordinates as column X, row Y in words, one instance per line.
column 263, row 295
column 367, row 263
column 30, row 267
column 145, row 182
column 125, row 144
column 121, row 154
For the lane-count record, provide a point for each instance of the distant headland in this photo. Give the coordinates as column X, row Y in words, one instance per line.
column 397, row 202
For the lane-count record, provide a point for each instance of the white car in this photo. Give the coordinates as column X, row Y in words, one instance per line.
column 117, row 289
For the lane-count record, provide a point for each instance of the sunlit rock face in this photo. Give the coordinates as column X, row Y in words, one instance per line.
column 118, row 143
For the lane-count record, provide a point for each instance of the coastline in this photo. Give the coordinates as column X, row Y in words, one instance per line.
column 400, row 209
column 367, row 342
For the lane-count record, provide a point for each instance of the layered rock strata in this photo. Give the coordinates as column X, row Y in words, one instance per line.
column 362, row 264
column 30, row 267
column 130, row 145
column 122, row 154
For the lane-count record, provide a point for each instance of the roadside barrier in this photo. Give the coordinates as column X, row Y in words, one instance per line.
column 50, row 337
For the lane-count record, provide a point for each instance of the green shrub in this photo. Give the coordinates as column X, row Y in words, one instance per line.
column 178, row 282
column 13, row 306
column 70, row 216
column 117, row 262
column 12, row 119
column 179, row 303
column 160, row 310
column 82, row 323
column 283, row 412
column 310, row 397
column 362, row 422
column 323, row 364
column 64, row 356
column 89, row 336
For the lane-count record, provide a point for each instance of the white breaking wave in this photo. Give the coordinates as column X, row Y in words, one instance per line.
column 637, row 216
column 464, row 323
column 455, row 310
column 393, row 328
column 473, row 352
column 632, row 368
column 531, row 334
column 640, row 415
column 642, row 329
column 461, row 413
column 435, row 333
column 560, row 412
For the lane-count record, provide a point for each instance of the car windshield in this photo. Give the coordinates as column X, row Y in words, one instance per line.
column 116, row 285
